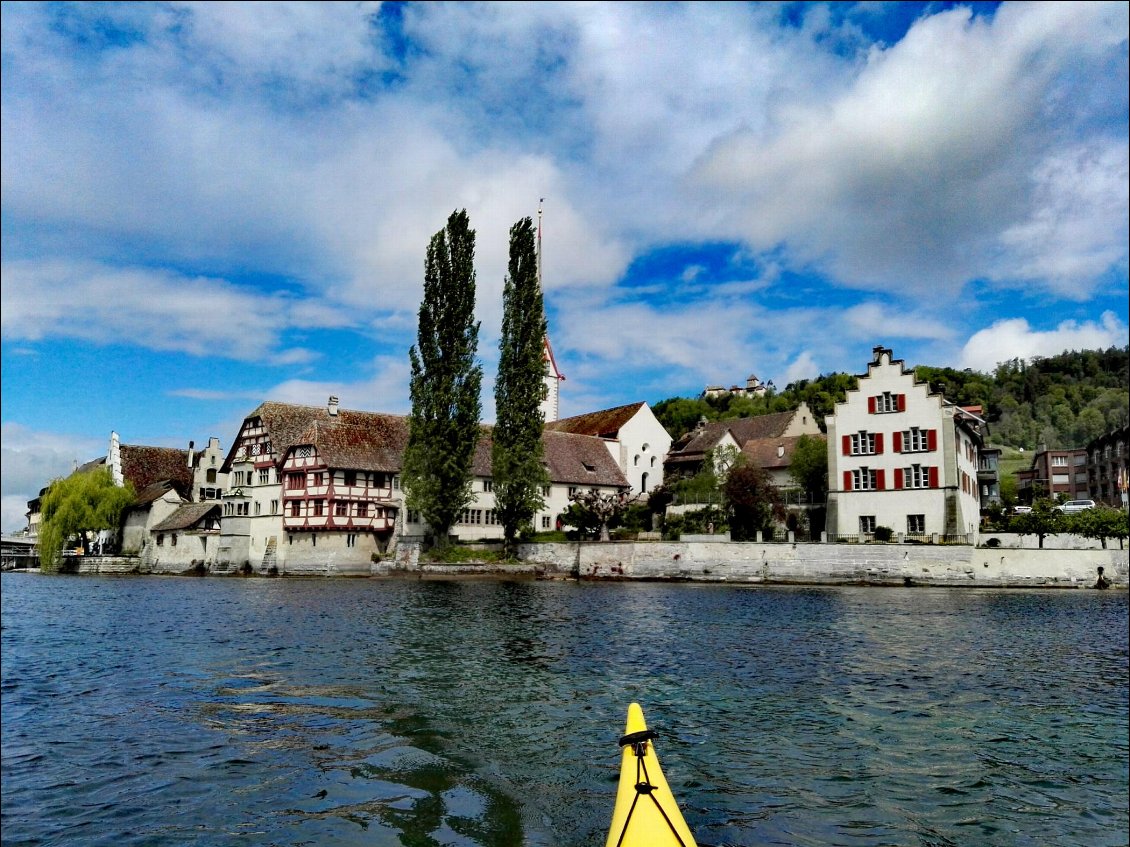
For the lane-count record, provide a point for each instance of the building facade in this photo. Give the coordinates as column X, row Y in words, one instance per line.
column 901, row 457
column 1058, row 474
column 1107, row 467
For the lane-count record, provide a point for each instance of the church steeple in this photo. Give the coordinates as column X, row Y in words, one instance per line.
column 551, row 404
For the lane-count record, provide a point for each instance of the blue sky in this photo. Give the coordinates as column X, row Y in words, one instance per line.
column 209, row 205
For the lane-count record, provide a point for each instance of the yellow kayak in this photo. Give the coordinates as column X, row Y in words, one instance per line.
column 646, row 814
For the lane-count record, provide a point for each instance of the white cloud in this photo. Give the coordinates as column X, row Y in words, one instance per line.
column 31, row 459
column 1014, row 338
column 802, row 367
column 156, row 309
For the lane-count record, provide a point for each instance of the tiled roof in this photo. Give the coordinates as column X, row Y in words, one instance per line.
column 187, row 516
column 144, row 466
column 696, row 442
column 606, row 423
column 156, row 491
column 376, row 442
column 763, row 452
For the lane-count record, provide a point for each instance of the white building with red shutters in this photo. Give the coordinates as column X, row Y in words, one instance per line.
column 902, row 457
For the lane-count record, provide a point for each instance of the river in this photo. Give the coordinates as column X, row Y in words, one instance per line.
column 207, row 711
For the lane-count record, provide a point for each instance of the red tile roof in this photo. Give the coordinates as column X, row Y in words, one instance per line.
column 605, row 424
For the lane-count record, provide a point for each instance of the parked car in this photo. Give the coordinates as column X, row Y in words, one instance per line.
column 1072, row 507
column 1021, row 510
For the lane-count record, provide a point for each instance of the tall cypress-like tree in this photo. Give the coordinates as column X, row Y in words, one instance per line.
column 445, row 383
column 516, row 452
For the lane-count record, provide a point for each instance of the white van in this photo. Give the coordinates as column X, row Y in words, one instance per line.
column 1072, row 507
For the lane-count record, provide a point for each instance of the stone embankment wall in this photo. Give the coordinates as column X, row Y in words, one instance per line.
column 747, row 562
column 831, row 564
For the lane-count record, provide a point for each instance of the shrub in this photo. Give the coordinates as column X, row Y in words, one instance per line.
column 883, row 533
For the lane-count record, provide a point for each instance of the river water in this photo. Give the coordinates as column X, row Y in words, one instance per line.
column 170, row 711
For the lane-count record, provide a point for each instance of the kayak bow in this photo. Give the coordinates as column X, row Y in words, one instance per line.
column 645, row 812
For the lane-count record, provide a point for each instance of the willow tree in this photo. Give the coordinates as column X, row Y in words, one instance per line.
column 517, row 468
column 74, row 506
column 443, row 427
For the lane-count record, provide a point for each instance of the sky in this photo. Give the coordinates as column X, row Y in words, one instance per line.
column 209, row 205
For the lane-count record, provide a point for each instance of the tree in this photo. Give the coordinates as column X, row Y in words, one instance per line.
column 1042, row 521
column 1101, row 522
column 593, row 512
column 753, row 501
column 74, row 506
column 443, row 427
column 809, row 467
column 516, row 452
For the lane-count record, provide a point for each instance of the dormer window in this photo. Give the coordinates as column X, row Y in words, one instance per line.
column 589, row 468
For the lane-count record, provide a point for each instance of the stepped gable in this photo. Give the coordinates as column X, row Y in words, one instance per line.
column 604, row 424
column 187, row 516
column 364, row 441
column 144, row 466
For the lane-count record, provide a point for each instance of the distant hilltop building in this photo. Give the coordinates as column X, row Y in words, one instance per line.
column 753, row 388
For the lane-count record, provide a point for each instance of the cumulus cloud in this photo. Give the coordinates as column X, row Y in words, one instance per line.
column 1014, row 338
column 31, row 459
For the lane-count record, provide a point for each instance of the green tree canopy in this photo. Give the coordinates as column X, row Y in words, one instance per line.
column 1042, row 521
column 1100, row 523
column 809, row 467
column 445, row 383
column 76, row 505
column 516, row 451
column 753, row 501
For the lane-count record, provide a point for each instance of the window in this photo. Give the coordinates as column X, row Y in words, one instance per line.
column 264, row 476
column 490, row 517
column 350, row 478
column 885, row 403
column 274, row 507
column 866, row 524
column 341, row 508
column 295, row 508
column 350, row 540
column 1059, row 461
column 863, row 444
column 319, row 505
column 915, row 524
column 545, row 522
column 917, row 476
column 173, row 540
column 572, row 490
column 295, row 481
column 395, row 482
column 864, row 479
column 545, row 491
column 915, row 440
column 413, row 516
column 211, row 474
column 160, row 539
column 258, row 506
column 488, row 485
column 314, row 539
column 319, row 479
column 362, row 510
column 636, row 461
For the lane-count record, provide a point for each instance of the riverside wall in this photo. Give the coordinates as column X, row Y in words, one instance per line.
column 743, row 562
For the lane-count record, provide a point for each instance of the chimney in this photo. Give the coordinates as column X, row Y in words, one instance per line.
column 190, row 445
column 331, row 407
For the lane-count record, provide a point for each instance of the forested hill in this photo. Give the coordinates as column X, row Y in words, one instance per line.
column 1060, row 401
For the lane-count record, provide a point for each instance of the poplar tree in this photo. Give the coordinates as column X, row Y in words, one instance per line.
column 443, row 427
column 518, row 471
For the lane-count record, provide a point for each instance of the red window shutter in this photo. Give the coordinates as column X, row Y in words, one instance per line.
column 933, row 477
column 847, row 480
column 931, row 439
column 902, row 402
column 898, row 442
column 870, row 405
column 898, row 477
column 878, row 442
column 880, row 481
column 847, row 445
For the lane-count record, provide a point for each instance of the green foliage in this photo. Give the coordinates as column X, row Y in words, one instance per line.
column 753, row 501
column 445, row 382
column 594, row 513
column 1100, row 523
column 1042, row 521
column 1059, row 401
column 710, row 520
column 453, row 554
column 809, row 467
column 883, row 533
column 516, row 453
column 72, row 507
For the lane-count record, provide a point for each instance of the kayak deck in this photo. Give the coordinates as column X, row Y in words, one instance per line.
column 646, row 812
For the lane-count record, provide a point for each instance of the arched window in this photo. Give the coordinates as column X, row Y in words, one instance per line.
column 643, row 483
column 636, row 461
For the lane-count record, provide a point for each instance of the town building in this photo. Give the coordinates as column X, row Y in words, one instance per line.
column 753, row 388
column 767, row 441
column 1058, row 474
column 1107, row 475
column 635, row 438
column 319, row 488
column 988, row 477
column 902, row 458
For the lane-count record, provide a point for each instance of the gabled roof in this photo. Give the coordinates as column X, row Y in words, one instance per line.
column 695, row 443
column 187, row 516
column 580, row 460
column 605, row 424
column 155, row 491
column 144, row 466
column 768, row 453
column 364, row 441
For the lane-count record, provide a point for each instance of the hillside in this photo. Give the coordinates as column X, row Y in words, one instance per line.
column 1059, row 401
